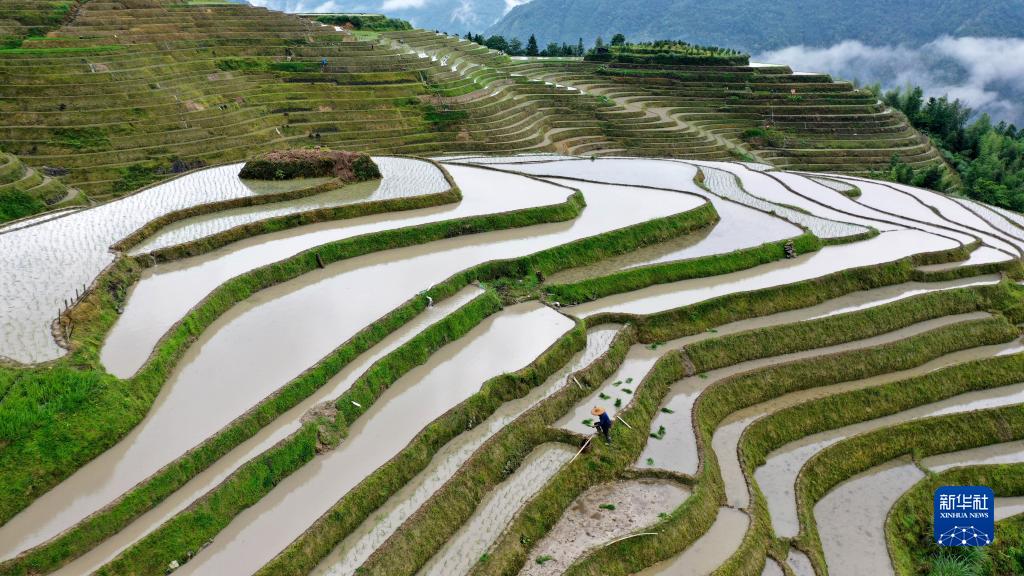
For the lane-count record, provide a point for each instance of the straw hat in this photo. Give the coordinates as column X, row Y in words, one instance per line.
column 597, row 411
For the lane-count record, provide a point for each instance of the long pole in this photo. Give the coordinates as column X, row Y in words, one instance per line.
column 585, row 444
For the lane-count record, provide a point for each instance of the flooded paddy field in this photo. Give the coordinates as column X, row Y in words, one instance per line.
column 908, row 265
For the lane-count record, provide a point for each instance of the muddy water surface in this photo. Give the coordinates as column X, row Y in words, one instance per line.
column 357, row 547
column 504, row 342
column 1003, row 453
column 799, row 563
column 42, row 266
column 629, row 506
column 676, row 449
column 1009, row 506
column 709, row 551
column 958, row 216
column 497, row 510
column 887, row 247
column 265, row 438
column 851, row 518
column 272, row 337
column 823, row 221
column 810, row 195
column 772, row 568
column 740, row 227
column 166, row 292
column 615, row 394
column 725, row 441
column 777, row 476
column 401, row 177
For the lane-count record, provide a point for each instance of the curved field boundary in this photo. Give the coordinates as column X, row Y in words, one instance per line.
column 908, row 528
column 920, row 438
column 410, row 547
column 687, row 523
column 97, row 313
column 814, row 481
column 268, row 225
column 677, row 270
column 188, row 531
column 572, row 254
column 751, row 388
column 699, row 317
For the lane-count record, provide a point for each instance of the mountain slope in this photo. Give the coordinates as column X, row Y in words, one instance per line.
column 756, row 26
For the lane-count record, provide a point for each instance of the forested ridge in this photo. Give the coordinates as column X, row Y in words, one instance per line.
column 755, row 26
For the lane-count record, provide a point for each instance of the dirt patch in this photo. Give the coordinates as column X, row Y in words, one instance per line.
column 194, row 106
column 602, row 514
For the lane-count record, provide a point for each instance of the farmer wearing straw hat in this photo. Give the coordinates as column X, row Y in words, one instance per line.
column 603, row 424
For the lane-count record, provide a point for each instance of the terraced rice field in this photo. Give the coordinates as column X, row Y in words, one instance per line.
column 397, row 376
column 111, row 95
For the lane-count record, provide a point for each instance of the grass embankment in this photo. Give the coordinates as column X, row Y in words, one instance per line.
column 908, row 528
column 693, row 518
column 155, row 225
column 828, row 468
column 695, row 318
column 276, row 224
column 743, row 390
column 761, row 386
column 919, row 439
column 580, row 252
column 453, row 503
column 59, row 417
column 186, row 534
column 644, row 276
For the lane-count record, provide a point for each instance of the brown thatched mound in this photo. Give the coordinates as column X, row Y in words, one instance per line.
column 308, row 163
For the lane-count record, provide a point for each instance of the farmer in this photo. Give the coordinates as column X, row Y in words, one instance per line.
column 603, row 424
column 323, row 64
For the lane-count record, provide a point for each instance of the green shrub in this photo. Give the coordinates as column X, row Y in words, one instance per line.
column 16, row 204
column 310, row 163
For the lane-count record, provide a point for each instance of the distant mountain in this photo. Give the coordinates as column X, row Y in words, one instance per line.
column 755, row 25
column 459, row 16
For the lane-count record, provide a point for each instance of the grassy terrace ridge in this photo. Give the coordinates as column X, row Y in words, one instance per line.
column 854, row 454
column 27, row 420
column 423, row 534
column 128, row 90
column 113, row 285
column 358, row 399
column 25, row 191
column 909, row 523
column 688, row 522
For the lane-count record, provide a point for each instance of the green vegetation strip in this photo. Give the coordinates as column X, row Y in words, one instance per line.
column 696, row 515
column 761, row 386
column 920, row 438
column 695, row 318
column 155, row 225
column 841, row 410
column 110, row 520
column 185, row 534
column 748, row 389
column 96, row 409
column 423, row 534
column 908, row 529
column 644, row 276
column 575, row 253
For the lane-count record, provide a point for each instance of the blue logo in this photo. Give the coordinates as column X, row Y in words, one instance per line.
column 965, row 516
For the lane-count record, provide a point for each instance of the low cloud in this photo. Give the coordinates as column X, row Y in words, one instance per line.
column 986, row 73
column 401, row 4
